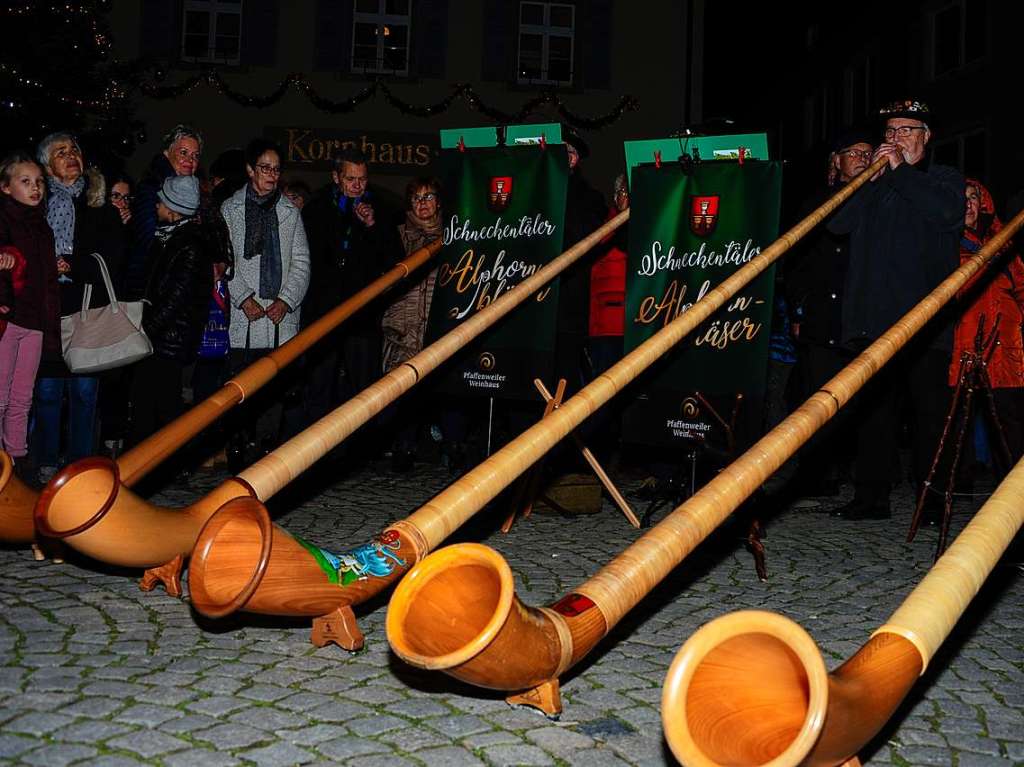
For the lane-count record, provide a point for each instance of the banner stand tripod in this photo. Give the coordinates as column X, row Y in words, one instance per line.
column 682, row 484
column 528, row 487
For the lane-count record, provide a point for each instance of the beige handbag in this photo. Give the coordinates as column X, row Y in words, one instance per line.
column 108, row 337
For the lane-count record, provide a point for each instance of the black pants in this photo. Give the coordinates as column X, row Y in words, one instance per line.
column 824, row 453
column 155, row 395
column 915, row 379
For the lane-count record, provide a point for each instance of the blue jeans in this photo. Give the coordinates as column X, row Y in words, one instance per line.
column 82, row 395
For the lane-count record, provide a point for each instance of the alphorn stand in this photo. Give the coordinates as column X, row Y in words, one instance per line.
column 532, row 479
column 973, row 376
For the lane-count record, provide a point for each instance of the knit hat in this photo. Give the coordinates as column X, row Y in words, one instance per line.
column 180, row 194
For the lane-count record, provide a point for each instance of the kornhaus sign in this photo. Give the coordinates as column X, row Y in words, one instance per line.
column 405, row 154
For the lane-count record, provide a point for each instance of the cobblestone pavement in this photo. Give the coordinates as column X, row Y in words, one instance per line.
column 93, row 671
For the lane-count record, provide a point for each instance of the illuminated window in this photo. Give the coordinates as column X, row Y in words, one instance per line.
column 212, row 31
column 380, row 36
column 546, row 43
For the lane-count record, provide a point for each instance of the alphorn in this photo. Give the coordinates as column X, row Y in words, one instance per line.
column 235, row 566
column 456, row 610
column 17, row 500
column 750, row 687
column 95, row 514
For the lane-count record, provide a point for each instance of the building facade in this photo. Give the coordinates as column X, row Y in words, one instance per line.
column 588, row 53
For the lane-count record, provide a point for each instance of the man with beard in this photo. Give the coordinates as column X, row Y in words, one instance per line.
column 904, row 231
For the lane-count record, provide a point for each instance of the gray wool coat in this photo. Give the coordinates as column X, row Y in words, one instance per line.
column 245, row 283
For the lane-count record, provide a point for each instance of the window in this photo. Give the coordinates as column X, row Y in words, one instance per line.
column 857, row 87
column 546, row 43
column 959, row 35
column 380, row 36
column 967, row 151
column 212, row 31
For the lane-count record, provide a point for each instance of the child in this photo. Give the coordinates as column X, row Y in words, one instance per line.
column 33, row 322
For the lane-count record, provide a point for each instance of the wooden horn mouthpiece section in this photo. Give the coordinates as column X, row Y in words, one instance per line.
column 750, row 688
column 242, row 561
column 17, row 502
column 456, row 611
column 87, row 506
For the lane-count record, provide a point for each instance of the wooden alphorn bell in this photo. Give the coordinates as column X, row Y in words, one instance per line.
column 456, row 610
column 751, row 688
column 94, row 513
column 18, row 501
column 235, row 567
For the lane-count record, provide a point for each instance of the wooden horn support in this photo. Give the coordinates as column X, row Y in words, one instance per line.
column 750, row 688
column 18, row 502
column 90, row 508
column 224, row 553
column 453, row 610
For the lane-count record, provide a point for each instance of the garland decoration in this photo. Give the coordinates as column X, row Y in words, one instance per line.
column 461, row 91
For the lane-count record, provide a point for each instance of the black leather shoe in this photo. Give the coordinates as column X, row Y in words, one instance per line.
column 859, row 510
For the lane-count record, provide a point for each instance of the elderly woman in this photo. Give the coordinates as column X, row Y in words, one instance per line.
column 83, row 223
column 405, row 321
column 996, row 294
column 182, row 147
column 271, row 267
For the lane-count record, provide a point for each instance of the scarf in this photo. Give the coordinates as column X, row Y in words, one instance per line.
column 262, row 239
column 416, row 233
column 164, row 231
column 60, row 212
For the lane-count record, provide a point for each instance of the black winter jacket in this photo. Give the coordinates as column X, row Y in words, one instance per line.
column 178, row 290
column 345, row 256
column 904, row 232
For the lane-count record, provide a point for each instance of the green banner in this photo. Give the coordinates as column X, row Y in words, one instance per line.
column 687, row 234
column 503, row 222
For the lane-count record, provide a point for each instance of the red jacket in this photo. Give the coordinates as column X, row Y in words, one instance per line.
column 608, row 288
column 997, row 291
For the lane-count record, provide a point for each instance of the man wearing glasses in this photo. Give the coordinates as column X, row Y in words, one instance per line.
column 904, row 230
column 814, row 279
column 353, row 239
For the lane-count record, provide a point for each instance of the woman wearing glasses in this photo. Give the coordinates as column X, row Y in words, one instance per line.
column 271, row 266
column 405, row 321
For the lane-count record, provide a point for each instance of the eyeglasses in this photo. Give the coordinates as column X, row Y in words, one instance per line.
column 428, row 197
column 269, row 170
column 116, row 196
column 903, row 131
column 864, row 154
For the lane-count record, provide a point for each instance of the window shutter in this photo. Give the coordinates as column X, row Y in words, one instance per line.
column 160, row 36
column 259, row 32
column 597, row 45
column 333, row 35
column 500, row 42
column 430, row 37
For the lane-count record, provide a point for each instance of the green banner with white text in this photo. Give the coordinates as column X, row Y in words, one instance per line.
column 503, row 221
column 689, row 232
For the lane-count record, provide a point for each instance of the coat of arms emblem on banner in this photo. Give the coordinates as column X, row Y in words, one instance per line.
column 703, row 214
column 500, row 193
